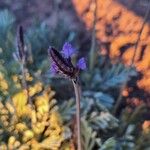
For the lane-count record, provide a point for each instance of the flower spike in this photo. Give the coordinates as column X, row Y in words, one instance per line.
column 61, row 62
column 61, row 65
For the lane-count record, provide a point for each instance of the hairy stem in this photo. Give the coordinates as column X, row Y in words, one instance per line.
column 77, row 95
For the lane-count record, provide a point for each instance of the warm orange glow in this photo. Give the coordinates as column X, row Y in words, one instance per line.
column 125, row 92
column 125, row 25
column 146, row 126
column 145, row 82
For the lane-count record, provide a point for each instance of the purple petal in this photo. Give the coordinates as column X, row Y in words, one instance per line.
column 68, row 50
column 54, row 68
column 81, row 64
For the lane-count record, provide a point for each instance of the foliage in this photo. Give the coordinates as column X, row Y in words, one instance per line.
column 37, row 40
column 93, row 122
column 106, row 78
column 109, row 144
column 89, row 136
column 47, row 125
column 25, row 126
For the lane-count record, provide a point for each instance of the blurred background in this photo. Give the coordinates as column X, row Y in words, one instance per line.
column 113, row 36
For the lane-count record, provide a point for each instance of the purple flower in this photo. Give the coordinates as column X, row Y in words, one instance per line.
column 81, row 63
column 61, row 62
column 67, row 50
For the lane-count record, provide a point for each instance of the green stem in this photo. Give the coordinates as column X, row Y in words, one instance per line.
column 93, row 39
column 77, row 95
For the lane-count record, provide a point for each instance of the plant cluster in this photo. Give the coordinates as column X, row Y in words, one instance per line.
column 30, row 118
column 26, row 126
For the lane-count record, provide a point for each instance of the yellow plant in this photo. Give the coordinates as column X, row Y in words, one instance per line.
column 3, row 84
column 37, row 127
